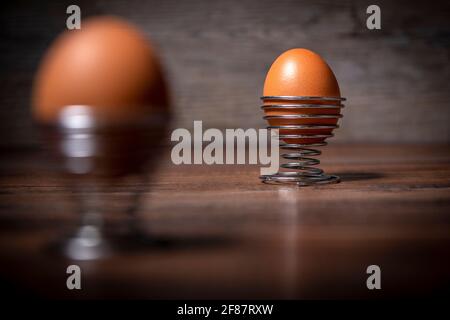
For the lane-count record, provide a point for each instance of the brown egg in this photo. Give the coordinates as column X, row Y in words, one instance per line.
column 302, row 73
column 108, row 65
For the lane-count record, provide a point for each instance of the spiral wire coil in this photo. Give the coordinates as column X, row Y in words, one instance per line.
column 300, row 168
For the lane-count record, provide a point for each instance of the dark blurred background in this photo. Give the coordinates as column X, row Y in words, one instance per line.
column 216, row 54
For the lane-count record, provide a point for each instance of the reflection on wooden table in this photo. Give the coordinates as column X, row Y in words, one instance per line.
column 218, row 232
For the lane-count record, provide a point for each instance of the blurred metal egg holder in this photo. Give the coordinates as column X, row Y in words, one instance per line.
column 97, row 158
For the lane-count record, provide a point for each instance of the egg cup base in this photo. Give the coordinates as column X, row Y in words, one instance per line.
column 301, row 181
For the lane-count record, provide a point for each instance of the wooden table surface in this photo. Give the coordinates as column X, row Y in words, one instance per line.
column 229, row 236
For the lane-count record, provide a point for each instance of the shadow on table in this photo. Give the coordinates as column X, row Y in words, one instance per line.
column 171, row 242
column 84, row 248
column 358, row 176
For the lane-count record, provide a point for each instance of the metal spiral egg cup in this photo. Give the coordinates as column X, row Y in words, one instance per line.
column 300, row 155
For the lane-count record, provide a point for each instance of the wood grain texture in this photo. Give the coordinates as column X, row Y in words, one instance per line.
column 217, row 53
column 234, row 237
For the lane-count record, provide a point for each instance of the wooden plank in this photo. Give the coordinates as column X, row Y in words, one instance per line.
column 217, row 55
column 223, row 234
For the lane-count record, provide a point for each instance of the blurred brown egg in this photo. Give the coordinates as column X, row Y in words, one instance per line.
column 101, row 99
column 108, row 65
column 302, row 73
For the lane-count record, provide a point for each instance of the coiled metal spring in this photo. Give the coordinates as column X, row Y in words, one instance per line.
column 300, row 166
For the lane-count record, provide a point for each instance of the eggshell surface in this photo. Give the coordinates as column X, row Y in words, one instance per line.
column 301, row 72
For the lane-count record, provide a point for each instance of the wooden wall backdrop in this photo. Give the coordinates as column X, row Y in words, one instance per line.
column 217, row 53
